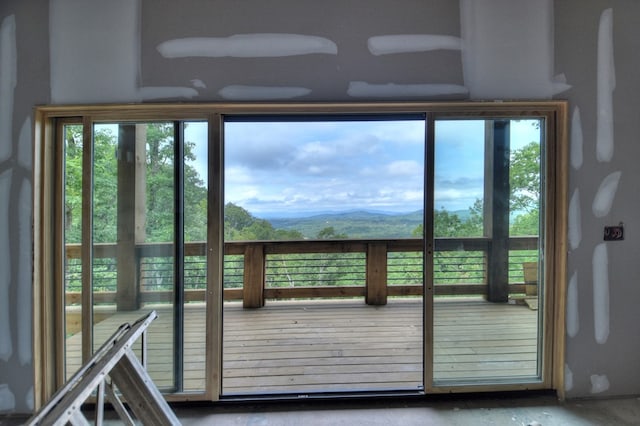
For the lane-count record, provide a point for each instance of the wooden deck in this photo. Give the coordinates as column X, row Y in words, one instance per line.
column 335, row 346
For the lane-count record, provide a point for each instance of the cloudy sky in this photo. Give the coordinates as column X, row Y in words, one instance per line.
column 280, row 169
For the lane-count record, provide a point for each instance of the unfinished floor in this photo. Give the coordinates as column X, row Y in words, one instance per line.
column 459, row 410
column 477, row 410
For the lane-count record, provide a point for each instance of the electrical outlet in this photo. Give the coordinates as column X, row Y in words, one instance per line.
column 614, row 233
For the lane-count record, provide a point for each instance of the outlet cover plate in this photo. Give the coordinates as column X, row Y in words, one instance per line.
column 614, row 233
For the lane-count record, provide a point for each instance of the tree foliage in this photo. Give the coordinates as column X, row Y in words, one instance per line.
column 159, row 183
column 240, row 225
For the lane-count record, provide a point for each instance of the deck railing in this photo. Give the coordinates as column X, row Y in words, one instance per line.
column 258, row 270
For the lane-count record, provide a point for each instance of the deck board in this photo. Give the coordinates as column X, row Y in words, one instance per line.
column 333, row 346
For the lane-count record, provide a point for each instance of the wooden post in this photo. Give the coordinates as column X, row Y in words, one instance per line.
column 254, row 276
column 376, row 274
column 498, row 258
column 128, row 295
column 530, row 272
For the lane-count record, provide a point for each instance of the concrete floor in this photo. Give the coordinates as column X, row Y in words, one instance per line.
column 541, row 410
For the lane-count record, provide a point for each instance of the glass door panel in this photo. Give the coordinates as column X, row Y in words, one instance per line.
column 72, row 139
column 136, row 234
column 195, row 249
column 134, row 237
column 487, row 239
column 323, row 268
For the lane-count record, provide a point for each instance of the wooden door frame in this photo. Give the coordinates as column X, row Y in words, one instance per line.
column 47, row 221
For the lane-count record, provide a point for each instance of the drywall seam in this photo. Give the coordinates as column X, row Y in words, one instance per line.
column 601, row 293
column 361, row 89
column 407, row 43
column 577, row 140
column 606, row 83
column 23, row 305
column 605, row 195
column 507, row 58
column 6, row 344
column 573, row 317
column 92, row 62
column 575, row 220
column 8, row 81
column 259, row 93
column 267, row 45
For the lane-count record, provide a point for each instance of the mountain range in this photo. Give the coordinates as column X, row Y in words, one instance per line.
column 358, row 224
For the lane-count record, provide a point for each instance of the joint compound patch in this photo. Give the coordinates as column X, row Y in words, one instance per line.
column 7, row 399
column 599, row 383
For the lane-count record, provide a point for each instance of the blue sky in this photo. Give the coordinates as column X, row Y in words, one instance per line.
column 279, row 169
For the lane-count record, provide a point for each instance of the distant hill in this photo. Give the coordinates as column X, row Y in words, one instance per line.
column 359, row 224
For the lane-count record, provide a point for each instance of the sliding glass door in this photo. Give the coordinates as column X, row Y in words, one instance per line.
column 323, row 230
column 306, row 250
column 138, row 217
column 488, row 217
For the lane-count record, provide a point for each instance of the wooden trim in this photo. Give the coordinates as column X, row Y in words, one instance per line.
column 43, row 335
column 556, row 277
column 203, row 111
column 59, row 252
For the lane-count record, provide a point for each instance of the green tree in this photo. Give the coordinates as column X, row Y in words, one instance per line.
column 240, row 225
column 524, row 178
column 73, row 183
column 160, row 196
column 329, row 233
column 160, row 180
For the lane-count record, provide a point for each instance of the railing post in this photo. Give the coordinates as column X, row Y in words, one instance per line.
column 254, row 276
column 376, row 274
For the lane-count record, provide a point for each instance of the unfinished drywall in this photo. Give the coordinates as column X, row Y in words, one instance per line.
column 91, row 51
column 596, row 47
column 24, row 73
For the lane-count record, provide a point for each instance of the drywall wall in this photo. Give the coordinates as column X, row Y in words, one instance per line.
column 24, row 82
column 596, row 48
column 91, row 51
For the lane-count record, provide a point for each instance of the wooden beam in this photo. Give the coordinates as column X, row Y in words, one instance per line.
column 128, row 298
column 498, row 257
column 376, row 281
column 254, row 275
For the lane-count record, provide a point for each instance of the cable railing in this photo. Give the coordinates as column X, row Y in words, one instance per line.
column 258, row 270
